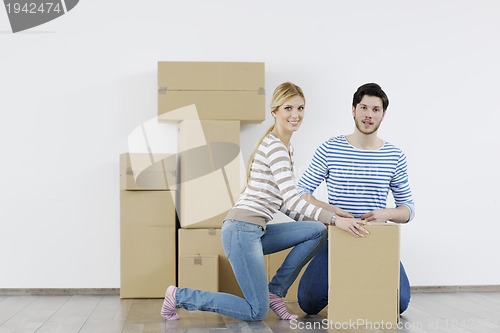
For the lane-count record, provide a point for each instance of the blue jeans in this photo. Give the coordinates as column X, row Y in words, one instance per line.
column 245, row 245
column 313, row 286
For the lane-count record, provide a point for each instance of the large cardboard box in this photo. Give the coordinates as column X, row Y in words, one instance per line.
column 199, row 272
column 210, row 167
column 364, row 277
column 275, row 260
column 220, row 90
column 141, row 171
column 208, row 242
column 147, row 243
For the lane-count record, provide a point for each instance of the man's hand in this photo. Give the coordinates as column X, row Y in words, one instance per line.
column 377, row 215
column 400, row 214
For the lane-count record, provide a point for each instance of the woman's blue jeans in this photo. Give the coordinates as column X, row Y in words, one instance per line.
column 245, row 245
column 313, row 286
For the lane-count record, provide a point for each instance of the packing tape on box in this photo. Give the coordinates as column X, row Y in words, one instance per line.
column 198, row 260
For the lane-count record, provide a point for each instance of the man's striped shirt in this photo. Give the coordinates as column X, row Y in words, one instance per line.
column 271, row 188
column 357, row 180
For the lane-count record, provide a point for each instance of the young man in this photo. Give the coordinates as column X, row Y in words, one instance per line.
column 359, row 170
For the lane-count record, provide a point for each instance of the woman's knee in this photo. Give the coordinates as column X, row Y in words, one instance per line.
column 259, row 306
column 259, row 314
column 319, row 231
column 323, row 235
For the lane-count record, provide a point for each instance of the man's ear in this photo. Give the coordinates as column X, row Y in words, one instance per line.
column 354, row 112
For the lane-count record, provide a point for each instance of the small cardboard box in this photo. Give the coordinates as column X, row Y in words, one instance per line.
column 199, row 272
column 208, row 241
column 210, row 163
column 147, row 243
column 275, row 260
column 364, row 276
column 141, row 171
column 220, row 90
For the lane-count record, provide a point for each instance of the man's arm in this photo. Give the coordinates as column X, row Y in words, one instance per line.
column 400, row 187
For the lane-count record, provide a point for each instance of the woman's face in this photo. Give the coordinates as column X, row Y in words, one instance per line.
column 289, row 115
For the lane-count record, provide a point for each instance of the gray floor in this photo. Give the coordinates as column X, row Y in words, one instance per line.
column 429, row 312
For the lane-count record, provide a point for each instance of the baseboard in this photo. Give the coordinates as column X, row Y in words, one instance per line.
column 116, row 291
column 58, row 291
column 455, row 289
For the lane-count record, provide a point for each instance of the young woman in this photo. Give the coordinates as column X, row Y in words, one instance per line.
column 246, row 234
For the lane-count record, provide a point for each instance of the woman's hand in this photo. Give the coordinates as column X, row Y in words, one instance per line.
column 352, row 226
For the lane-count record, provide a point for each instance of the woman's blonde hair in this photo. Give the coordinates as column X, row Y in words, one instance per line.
column 281, row 94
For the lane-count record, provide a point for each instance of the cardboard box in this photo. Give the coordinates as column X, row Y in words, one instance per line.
column 141, row 171
column 275, row 260
column 208, row 241
column 210, row 168
column 147, row 243
column 220, row 90
column 199, row 272
column 364, row 276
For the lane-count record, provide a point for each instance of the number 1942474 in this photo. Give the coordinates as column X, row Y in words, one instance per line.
column 33, row 8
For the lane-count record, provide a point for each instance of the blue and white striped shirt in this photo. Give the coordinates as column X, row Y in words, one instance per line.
column 358, row 180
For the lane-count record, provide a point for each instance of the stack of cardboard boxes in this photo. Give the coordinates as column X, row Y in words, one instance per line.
column 147, row 224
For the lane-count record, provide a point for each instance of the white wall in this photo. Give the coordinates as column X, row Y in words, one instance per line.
column 72, row 90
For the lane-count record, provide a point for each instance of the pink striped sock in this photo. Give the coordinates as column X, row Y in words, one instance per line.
column 278, row 306
column 168, row 308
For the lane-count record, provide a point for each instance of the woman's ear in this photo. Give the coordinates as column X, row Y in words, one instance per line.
column 273, row 113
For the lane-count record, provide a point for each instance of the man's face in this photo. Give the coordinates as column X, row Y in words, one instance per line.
column 368, row 114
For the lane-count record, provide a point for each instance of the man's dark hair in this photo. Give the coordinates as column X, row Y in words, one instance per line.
column 370, row 89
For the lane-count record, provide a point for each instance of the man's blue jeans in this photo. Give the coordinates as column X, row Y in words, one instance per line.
column 245, row 245
column 313, row 286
